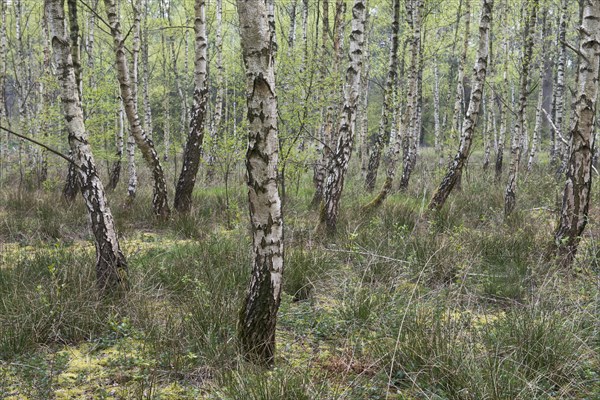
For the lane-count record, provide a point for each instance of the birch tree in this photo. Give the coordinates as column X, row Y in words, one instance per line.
column 193, row 147
column 71, row 186
column 259, row 314
column 577, row 192
column 338, row 163
column 411, row 136
column 519, row 130
column 111, row 266
column 470, row 121
column 159, row 199
column 390, row 82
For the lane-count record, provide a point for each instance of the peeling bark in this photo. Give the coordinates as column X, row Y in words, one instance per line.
column 414, row 10
column 577, row 192
column 470, row 122
column 144, row 143
column 115, row 173
column 71, row 186
column 537, row 129
column 390, row 82
column 338, row 164
column 559, row 96
column 111, row 266
column 258, row 316
column 510, row 194
column 503, row 120
column 193, row 147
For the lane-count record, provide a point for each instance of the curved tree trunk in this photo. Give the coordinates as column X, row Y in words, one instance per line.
column 390, row 82
column 338, row 163
column 519, row 131
column 159, row 199
column 470, row 122
column 259, row 314
column 577, row 193
column 111, row 266
column 193, row 147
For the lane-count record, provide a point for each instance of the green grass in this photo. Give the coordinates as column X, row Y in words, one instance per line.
column 461, row 305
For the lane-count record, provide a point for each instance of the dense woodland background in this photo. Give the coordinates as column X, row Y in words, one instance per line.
column 406, row 291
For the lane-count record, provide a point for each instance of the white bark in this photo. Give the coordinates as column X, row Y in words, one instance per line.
column 338, row 163
column 145, row 144
column 577, row 193
column 519, row 131
column 470, row 122
column 111, row 267
column 258, row 317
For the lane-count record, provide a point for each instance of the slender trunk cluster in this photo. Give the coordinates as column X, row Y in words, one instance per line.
column 411, row 134
column 390, row 82
column 577, row 193
column 470, row 121
column 460, row 90
column 111, row 266
column 193, row 147
column 519, row 131
column 259, row 313
column 338, row 163
column 325, row 142
column 145, row 144
column 537, row 129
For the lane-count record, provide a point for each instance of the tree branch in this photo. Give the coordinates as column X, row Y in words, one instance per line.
column 50, row 149
column 560, row 136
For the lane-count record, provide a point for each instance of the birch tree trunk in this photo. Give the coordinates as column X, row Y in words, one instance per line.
column 511, row 187
column 111, row 266
column 3, row 54
column 193, row 147
column 390, row 82
column 413, row 9
column 470, row 121
column 259, row 314
column 338, row 164
column 460, row 89
column 145, row 144
column 72, row 182
column 131, row 169
column 363, row 114
column 218, row 112
column 115, row 173
column 436, row 115
column 577, row 193
column 325, row 144
column 148, row 127
column 503, row 120
column 559, row 96
column 217, row 118
column 537, row 129
column 487, row 110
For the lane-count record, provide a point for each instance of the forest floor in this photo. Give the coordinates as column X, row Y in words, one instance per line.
column 459, row 304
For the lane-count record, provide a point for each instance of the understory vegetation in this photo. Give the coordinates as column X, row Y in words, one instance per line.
column 400, row 304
